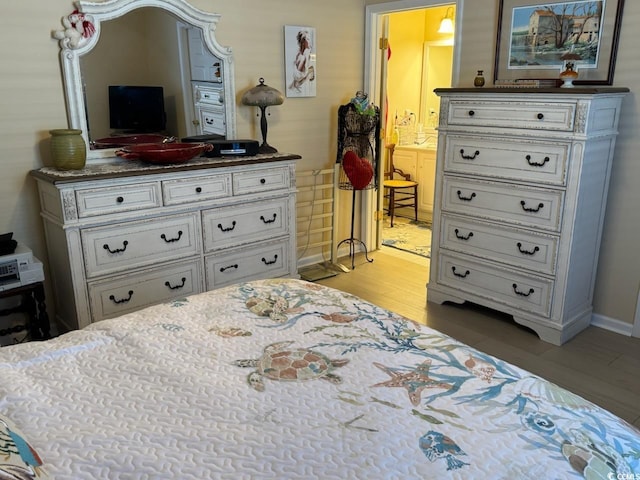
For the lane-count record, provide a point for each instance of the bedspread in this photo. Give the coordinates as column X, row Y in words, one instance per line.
column 287, row 379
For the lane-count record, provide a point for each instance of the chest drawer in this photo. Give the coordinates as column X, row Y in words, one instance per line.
column 504, row 202
column 212, row 121
column 196, row 189
column 264, row 260
column 509, row 287
column 230, row 226
column 260, row 180
column 114, row 199
column 531, row 161
column 124, row 294
column 529, row 115
column 114, row 248
column 208, row 95
column 500, row 243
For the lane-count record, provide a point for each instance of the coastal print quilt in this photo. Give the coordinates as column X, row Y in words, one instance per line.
column 285, row 379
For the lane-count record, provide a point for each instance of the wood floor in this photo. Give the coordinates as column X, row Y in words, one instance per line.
column 599, row 365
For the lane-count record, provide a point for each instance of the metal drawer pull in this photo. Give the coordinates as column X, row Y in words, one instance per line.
column 120, row 199
column 117, row 250
column 263, row 181
column 177, row 286
column 536, row 164
column 540, row 116
column 461, row 275
column 228, row 229
column 266, row 262
column 530, row 209
column 528, row 252
column 522, row 294
column 171, row 240
column 462, row 237
column 466, row 199
column 268, row 221
column 222, row 269
column 471, row 113
column 469, row 157
column 198, row 189
column 123, row 300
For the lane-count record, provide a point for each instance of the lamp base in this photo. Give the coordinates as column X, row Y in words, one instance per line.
column 266, row 148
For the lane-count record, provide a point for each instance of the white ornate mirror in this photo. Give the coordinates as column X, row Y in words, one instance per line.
column 150, row 44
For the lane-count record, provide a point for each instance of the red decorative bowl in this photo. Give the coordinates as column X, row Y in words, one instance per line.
column 164, row 152
column 125, row 140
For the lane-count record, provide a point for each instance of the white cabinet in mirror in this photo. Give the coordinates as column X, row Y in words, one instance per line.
column 149, row 53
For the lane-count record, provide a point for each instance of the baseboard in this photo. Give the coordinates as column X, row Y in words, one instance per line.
column 611, row 324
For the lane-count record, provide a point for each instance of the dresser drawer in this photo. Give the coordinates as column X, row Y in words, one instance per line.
column 208, row 95
column 196, row 189
column 263, row 180
column 114, row 248
column 131, row 292
column 261, row 261
column 240, row 224
column 118, row 198
column 509, row 287
column 212, row 121
column 500, row 243
column 530, row 115
column 504, row 202
column 498, row 157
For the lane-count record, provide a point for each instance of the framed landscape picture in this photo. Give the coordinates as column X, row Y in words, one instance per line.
column 535, row 40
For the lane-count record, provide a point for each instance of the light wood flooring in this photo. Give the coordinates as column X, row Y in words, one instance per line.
column 599, row 365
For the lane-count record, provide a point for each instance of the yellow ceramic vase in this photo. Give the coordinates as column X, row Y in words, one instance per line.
column 68, row 149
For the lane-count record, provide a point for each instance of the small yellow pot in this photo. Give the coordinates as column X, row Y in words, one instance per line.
column 68, row 149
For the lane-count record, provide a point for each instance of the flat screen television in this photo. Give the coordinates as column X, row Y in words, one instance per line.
column 137, row 109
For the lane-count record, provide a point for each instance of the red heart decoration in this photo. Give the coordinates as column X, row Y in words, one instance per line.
column 359, row 171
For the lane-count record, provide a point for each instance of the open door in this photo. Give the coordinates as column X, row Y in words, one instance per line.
column 377, row 59
column 380, row 98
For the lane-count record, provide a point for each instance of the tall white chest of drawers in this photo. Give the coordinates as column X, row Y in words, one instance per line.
column 127, row 235
column 521, row 187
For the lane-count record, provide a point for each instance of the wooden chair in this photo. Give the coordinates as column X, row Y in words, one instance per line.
column 400, row 193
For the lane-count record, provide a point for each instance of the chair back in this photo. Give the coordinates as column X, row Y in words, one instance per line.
column 389, row 168
column 388, row 161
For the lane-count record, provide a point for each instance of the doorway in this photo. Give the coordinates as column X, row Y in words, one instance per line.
column 401, row 75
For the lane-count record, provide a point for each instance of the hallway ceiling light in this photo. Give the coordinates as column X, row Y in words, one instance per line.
column 446, row 25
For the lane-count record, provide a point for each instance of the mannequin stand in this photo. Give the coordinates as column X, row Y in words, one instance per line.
column 354, row 241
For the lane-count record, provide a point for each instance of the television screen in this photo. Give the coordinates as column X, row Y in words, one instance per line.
column 136, row 109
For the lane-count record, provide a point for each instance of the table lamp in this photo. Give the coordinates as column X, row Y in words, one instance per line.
column 263, row 96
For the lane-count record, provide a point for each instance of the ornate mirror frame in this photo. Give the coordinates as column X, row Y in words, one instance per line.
column 81, row 32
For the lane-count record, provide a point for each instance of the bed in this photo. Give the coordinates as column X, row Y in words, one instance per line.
column 287, row 379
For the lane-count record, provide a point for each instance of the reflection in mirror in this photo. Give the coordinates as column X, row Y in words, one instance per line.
column 436, row 73
column 132, row 52
column 145, row 43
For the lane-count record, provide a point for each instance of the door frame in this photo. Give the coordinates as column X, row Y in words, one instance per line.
column 370, row 227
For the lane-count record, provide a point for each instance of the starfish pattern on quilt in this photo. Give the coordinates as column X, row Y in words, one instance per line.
column 415, row 381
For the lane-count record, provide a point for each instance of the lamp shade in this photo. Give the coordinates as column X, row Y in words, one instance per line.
column 262, row 96
column 446, row 25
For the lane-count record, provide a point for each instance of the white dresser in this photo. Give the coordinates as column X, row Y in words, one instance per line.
column 521, row 188
column 127, row 235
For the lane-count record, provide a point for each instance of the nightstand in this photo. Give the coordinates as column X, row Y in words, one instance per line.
column 32, row 303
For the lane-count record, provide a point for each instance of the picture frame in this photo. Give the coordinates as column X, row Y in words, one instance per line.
column 300, row 61
column 536, row 40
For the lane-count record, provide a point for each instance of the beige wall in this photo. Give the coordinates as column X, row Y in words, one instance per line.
column 33, row 103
